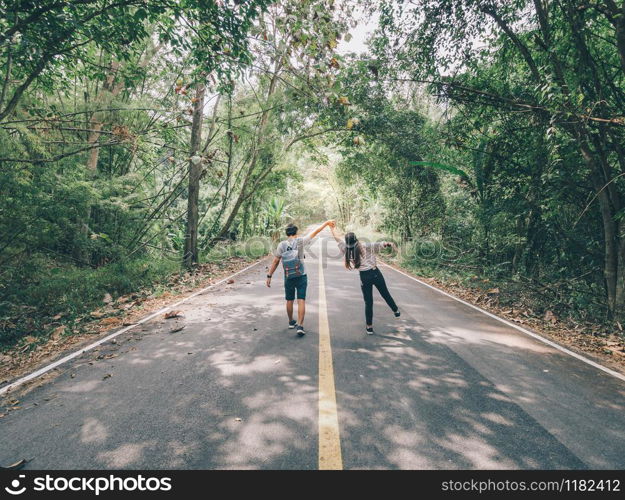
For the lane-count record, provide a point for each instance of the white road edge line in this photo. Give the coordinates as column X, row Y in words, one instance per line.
column 75, row 354
column 521, row 329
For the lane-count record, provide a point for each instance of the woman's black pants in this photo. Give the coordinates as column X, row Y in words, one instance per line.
column 369, row 279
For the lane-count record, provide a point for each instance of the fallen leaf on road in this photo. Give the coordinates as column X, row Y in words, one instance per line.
column 16, row 465
column 230, row 281
column 108, row 375
column 276, row 361
column 173, row 314
column 238, row 419
column 177, row 329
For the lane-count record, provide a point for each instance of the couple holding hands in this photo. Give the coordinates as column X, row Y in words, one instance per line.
column 358, row 255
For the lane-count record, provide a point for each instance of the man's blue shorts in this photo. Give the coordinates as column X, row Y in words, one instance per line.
column 298, row 283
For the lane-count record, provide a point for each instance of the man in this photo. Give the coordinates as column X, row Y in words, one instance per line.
column 291, row 252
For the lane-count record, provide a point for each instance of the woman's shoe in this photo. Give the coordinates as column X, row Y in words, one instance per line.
column 397, row 313
column 369, row 330
column 292, row 324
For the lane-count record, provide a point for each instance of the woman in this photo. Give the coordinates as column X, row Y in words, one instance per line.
column 361, row 256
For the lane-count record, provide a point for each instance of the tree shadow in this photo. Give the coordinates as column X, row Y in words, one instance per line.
column 234, row 389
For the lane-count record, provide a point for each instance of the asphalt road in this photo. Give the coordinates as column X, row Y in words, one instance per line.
column 443, row 387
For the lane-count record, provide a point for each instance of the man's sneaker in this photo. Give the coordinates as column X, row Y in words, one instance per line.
column 300, row 330
column 397, row 313
column 292, row 323
column 369, row 330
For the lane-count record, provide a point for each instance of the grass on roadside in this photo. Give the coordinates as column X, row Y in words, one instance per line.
column 39, row 297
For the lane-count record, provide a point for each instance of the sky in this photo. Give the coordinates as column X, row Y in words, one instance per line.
column 366, row 26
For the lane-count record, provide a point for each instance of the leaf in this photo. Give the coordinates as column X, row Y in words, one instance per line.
column 140, row 14
column 57, row 332
column 550, row 317
column 441, row 166
column 16, row 465
column 173, row 314
column 177, row 329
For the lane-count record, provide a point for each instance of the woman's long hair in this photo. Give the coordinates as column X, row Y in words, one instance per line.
column 352, row 251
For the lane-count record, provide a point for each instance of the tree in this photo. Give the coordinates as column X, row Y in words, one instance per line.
column 565, row 53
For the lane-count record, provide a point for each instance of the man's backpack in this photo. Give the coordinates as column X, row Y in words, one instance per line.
column 292, row 259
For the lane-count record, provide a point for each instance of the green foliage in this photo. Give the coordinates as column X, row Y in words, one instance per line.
column 532, row 124
column 96, row 105
column 42, row 288
column 441, row 166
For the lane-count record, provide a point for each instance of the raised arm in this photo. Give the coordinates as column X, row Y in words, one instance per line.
column 336, row 234
column 319, row 229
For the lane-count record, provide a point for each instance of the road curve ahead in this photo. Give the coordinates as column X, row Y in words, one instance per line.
column 443, row 387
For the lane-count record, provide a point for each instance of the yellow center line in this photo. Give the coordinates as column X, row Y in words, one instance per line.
column 329, row 441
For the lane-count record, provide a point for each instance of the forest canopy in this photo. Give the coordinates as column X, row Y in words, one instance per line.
column 137, row 137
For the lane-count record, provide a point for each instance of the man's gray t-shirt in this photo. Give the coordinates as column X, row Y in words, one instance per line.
column 293, row 244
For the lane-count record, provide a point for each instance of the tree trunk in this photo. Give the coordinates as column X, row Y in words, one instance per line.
column 190, row 256
column 600, row 172
column 262, row 125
